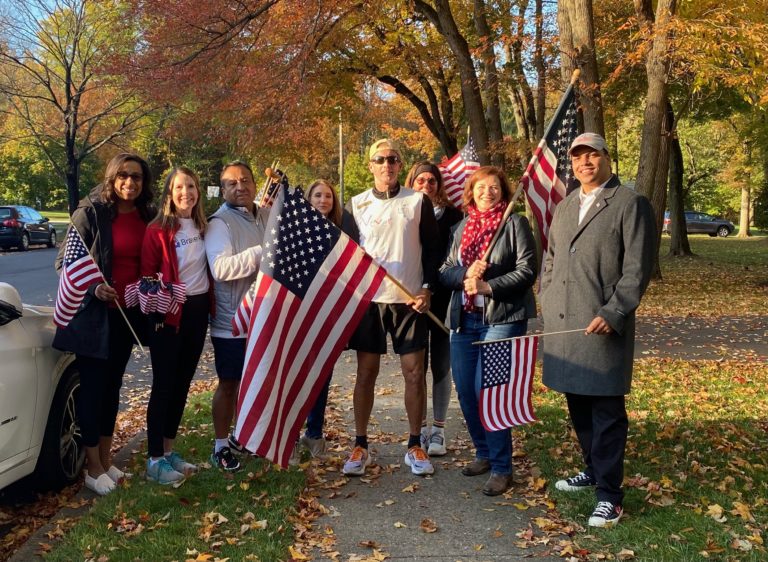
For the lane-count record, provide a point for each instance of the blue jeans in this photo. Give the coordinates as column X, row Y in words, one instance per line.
column 493, row 446
column 316, row 417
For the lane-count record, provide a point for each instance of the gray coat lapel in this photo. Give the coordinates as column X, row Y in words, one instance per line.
column 598, row 206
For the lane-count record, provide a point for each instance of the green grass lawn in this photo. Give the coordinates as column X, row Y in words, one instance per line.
column 727, row 276
column 56, row 216
column 696, row 476
column 212, row 515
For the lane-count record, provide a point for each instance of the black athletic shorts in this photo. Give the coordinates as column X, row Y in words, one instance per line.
column 407, row 328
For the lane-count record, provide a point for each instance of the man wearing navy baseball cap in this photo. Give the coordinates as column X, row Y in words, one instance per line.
column 599, row 262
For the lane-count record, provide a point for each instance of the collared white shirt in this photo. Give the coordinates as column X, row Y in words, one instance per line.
column 587, row 199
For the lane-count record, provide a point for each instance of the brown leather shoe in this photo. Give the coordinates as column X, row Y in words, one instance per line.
column 497, row 484
column 476, row 467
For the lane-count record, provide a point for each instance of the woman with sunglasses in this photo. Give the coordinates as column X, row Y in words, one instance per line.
column 173, row 247
column 111, row 221
column 426, row 178
column 323, row 198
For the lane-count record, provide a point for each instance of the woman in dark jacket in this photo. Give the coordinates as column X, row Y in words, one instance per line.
column 491, row 300
column 111, row 220
column 323, row 198
column 426, row 177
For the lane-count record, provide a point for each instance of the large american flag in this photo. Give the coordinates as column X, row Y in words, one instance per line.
column 313, row 286
column 549, row 176
column 78, row 273
column 507, row 379
column 457, row 169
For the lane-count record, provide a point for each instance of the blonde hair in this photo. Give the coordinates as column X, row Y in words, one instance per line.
column 335, row 215
column 166, row 215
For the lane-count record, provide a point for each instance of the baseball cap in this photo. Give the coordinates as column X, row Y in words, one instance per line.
column 383, row 144
column 592, row 140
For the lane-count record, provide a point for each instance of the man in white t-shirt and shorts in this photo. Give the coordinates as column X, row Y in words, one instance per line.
column 398, row 229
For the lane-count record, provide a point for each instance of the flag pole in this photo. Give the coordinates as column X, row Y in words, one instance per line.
column 271, row 175
column 407, row 293
column 117, row 301
column 528, row 168
column 269, row 172
column 530, row 336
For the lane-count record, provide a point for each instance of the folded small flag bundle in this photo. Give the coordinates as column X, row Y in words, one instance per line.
column 152, row 295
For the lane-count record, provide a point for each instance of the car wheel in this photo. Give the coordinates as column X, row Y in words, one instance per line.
column 62, row 455
column 723, row 231
column 24, row 242
column 52, row 239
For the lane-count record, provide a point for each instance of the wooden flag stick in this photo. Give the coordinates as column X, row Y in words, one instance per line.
column 530, row 336
column 407, row 293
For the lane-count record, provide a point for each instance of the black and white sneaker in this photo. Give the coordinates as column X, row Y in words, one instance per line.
column 581, row 481
column 235, row 445
column 225, row 460
column 605, row 515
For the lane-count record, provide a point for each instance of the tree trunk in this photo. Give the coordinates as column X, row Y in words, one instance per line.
column 583, row 37
column 491, row 86
column 567, row 52
column 746, row 197
column 442, row 18
column 678, row 244
column 659, row 198
column 657, row 67
column 541, row 71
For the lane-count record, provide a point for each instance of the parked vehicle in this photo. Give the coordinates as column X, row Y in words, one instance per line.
column 701, row 223
column 21, row 226
column 39, row 431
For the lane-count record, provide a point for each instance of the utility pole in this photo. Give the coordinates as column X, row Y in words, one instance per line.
column 341, row 159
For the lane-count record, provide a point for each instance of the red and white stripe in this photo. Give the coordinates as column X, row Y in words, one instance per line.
column 293, row 345
column 73, row 284
column 455, row 172
column 543, row 188
column 508, row 405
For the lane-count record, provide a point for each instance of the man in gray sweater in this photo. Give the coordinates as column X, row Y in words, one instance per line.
column 233, row 247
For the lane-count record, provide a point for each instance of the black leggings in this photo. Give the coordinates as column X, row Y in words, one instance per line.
column 101, row 379
column 174, row 360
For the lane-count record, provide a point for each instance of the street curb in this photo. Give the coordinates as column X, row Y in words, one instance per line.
column 29, row 550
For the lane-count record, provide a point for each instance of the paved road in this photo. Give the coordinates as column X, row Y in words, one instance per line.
column 32, row 274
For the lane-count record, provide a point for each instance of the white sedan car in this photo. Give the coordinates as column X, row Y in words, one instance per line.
column 39, row 432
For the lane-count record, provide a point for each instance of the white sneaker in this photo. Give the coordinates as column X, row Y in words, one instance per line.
column 357, row 461
column 425, row 435
column 101, row 485
column 117, row 475
column 419, row 462
column 437, row 444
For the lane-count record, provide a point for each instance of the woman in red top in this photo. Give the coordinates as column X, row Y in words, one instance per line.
column 111, row 221
column 173, row 247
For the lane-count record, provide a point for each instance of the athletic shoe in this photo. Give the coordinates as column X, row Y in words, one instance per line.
column 101, row 485
column 437, row 444
column 162, row 472
column 424, row 439
column 357, row 461
column 225, row 460
column 581, row 481
column 316, row 447
column 179, row 464
column 418, row 460
column 235, row 446
column 117, row 475
column 605, row 515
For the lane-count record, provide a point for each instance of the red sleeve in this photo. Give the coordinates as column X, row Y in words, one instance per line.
column 151, row 252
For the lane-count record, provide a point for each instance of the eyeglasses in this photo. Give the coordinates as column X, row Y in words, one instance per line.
column 123, row 176
column 392, row 160
column 430, row 181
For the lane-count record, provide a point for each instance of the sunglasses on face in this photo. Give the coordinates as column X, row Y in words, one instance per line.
column 388, row 159
column 422, row 181
column 123, row 176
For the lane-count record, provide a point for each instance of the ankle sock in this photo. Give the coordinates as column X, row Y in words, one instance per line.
column 220, row 444
column 414, row 440
column 361, row 441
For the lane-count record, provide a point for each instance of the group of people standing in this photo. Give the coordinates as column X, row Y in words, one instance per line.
column 447, row 264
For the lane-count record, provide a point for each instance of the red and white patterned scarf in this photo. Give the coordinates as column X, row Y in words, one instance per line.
column 478, row 232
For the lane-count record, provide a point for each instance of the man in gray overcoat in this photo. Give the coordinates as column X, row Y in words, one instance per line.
column 597, row 267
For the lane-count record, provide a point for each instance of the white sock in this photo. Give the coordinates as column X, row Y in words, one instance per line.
column 153, row 462
column 220, row 444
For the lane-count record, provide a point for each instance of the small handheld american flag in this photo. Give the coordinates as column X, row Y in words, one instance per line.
column 507, row 379
column 78, row 273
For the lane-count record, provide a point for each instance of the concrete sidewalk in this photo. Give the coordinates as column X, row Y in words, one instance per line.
column 387, row 506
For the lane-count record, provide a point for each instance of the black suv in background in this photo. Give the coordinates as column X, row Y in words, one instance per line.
column 702, row 223
column 21, row 226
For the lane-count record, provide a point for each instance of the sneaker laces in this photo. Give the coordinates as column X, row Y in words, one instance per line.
column 603, row 509
column 357, row 454
column 418, row 453
column 580, row 477
column 164, row 465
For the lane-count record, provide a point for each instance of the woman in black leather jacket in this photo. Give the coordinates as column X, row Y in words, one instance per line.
column 491, row 300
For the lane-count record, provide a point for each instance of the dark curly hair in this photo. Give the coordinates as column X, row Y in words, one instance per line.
column 105, row 191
